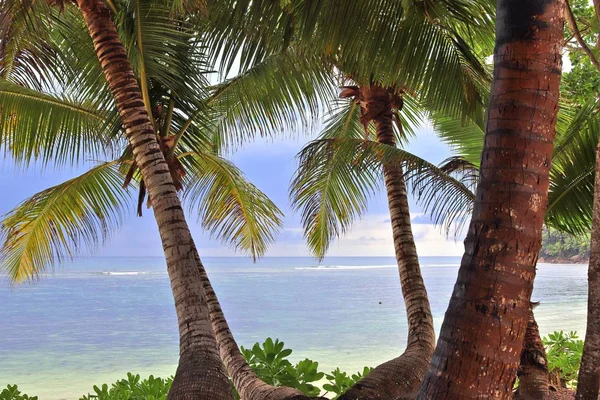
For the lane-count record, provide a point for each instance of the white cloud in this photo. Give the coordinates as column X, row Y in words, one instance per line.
column 372, row 236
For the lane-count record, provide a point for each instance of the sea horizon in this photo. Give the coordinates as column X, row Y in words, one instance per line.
column 97, row 318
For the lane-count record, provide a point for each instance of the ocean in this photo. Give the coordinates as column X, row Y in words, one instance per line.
column 95, row 319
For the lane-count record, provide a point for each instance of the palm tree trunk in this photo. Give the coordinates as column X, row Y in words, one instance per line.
column 245, row 380
column 477, row 354
column 402, row 375
column 588, row 386
column 534, row 378
column 200, row 374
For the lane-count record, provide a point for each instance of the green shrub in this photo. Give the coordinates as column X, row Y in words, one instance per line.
column 133, row 388
column 271, row 364
column 564, row 355
column 339, row 382
column 12, row 393
column 269, row 361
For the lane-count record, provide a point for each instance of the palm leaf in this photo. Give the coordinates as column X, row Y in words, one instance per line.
column 570, row 198
column 428, row 49
column 228, row 206
column 57, row 222
column 285, row 92
column 35, row 125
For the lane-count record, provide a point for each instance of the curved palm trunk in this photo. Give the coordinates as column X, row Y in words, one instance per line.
column 588, row 386
column 534, row 378
column 477, row 354
column 401, row 376
column 200, row 374
column 245, row 380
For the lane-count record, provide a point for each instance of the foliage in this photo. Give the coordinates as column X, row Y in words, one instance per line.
column 270, row 361
column 564, row 352
column 12, row 393
column 582, row 82
column 271, row 364
column 339, row 382
column 133, row 388
column 560, row 246
column 76, row 120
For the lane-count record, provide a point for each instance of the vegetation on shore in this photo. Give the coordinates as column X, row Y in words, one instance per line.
column 270, row 361
column 558, row 247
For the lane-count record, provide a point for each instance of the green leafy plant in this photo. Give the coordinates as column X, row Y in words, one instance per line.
column 339, row 382
column 271, row 364
column 564, row 352
column 133, row 388
column 12, row 393
column 269, row 360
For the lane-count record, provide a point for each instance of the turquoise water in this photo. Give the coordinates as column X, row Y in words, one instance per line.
column 96, row 319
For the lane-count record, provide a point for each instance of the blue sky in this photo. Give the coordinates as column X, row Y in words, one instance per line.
column 269, row 164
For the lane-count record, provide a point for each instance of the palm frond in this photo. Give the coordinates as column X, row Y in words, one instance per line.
column 35, row 125
column 58, row 222
column 27, row 57
column 228, row 206
column 336, row 177
column 285, row 92
column 428, row 49
column 331, row 190
column 465, row 137
column 446, row 192
column 571, row 193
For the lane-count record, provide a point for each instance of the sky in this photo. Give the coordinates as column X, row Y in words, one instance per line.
column 269, row 163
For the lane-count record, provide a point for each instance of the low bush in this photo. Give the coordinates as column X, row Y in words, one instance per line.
column 270, row 361
column 12, row 393
column 564, row 352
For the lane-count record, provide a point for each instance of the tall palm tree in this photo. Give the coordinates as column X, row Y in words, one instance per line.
column 487, row 317
column 444, row 71
column 337, row 174
column 83, row 208
column 192, row 127
column 200, row 372
column 571, row 192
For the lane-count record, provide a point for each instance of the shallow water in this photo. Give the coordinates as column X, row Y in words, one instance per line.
column 96, row 319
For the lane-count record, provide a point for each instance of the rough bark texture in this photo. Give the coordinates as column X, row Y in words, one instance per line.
column 588, row 386
column 401, row 376
column 200, row 374
column 477, row 354
column 247, row 383
column 534, row 378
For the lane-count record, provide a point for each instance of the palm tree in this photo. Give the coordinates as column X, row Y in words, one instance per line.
column 190, row 133
column 570, row 198
column 200, row 372
column 337, row 174
column 433, row 58
column 87, row 207
column 487, row 317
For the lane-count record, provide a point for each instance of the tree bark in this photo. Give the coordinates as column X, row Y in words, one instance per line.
column 534, row 378
column 477, row 354
column 588, row 386
column 401, row 376
column 200, row 374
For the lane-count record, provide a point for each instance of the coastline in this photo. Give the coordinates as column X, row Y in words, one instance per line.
column 96, row 331
column 575, row 260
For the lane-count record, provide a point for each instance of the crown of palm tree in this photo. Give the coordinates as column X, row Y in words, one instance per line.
column 65, row 114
